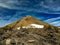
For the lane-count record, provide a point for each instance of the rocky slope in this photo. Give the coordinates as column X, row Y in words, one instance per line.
column 29, row 20
column 49, row 35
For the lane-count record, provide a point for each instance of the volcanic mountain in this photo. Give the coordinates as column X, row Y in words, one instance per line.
column 27, row 20
column 10, row 35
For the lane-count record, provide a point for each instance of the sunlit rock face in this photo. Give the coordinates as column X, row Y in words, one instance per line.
column 58, row 26
column 8, row 41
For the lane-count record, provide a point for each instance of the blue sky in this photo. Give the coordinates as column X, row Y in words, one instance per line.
column 46, row 10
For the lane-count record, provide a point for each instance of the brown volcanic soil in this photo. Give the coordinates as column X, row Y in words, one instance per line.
column 49, row 35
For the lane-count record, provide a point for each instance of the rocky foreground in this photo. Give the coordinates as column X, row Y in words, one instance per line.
column 30, row 37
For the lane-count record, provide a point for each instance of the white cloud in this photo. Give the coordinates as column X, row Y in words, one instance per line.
column 52, row 19
column 15, row 4
column 2, row 22
column 3, row 5
column 55, row 22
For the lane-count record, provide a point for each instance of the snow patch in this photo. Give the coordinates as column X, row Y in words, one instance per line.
column 37, row 26
column 33, row 26
column 18, row 28
column 24, row 27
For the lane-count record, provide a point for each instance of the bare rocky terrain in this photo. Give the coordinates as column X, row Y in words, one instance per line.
column 49, row 35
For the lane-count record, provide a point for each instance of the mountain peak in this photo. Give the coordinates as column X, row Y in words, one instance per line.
column 26, row 21
column 28, row 17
